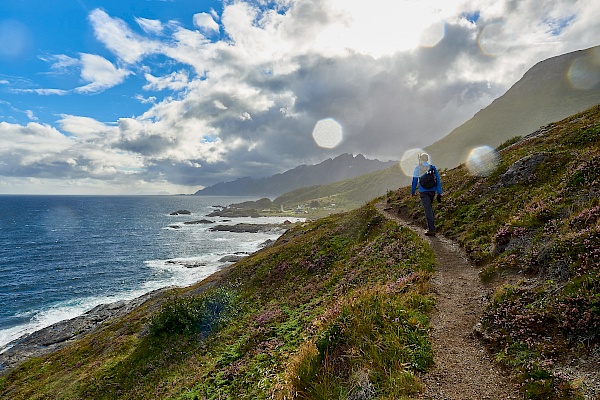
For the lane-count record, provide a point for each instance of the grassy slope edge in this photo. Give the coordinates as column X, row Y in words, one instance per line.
column 336, row 308
column 533, row 226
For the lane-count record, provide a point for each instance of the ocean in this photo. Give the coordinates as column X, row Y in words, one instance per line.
column 60, row 256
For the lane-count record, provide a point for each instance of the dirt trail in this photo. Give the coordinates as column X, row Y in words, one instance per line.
column 463, row 368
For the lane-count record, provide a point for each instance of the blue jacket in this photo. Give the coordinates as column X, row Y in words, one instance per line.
column 418, row 172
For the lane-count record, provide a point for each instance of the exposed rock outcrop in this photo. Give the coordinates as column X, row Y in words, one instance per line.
column 248, row 228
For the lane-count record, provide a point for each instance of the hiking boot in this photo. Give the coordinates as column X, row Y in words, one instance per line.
column 429, row 233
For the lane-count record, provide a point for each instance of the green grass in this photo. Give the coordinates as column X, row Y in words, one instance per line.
column 336, row 307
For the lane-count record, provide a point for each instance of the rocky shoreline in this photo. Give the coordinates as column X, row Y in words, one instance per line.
column 60, row 334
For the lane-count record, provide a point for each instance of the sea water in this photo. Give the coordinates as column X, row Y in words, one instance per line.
column 60, row 256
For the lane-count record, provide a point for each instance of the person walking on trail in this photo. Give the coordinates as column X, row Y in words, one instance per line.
column 427, row 179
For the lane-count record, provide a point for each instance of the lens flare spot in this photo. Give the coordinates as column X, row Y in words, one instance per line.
column 15, row 39
column 432, row 35
column 494, row 39
column 584, row 72
column 409, row 160
column 328, row 133
column 483, row 161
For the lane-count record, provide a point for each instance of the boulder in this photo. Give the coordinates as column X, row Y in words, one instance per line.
column 202, row 221
column 181, row 212
column 522, row 171
column 232, row 258
column 247, row 228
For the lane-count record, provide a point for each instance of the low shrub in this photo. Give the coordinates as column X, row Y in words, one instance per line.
column 193, row 314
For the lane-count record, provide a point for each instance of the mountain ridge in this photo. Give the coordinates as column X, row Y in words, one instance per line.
column 330, row 170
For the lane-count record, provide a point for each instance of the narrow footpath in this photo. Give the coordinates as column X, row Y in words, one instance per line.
column 463, row 368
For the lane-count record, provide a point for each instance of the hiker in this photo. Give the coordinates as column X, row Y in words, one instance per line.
column 427, row 178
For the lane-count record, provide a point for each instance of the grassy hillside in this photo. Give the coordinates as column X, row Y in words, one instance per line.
column 337, row 308
column 350, row 193
column 533, row 226
column 548, row 92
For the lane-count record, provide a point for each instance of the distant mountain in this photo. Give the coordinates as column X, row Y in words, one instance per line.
column 550, row 91
column 331, row 170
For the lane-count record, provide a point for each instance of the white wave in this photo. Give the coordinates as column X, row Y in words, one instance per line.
column 182, row 272
column 40, row 319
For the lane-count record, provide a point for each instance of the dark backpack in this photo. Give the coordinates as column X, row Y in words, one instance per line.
column 428, row 179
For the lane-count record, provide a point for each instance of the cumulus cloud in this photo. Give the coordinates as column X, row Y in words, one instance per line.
column 83, row 127
column 42, row 151
column 174, row 81
column 206, row 23
column 394, row 75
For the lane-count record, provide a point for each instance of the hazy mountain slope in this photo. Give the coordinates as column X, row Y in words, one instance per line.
column 545, row 94
column 331, row 170
column 349, row 193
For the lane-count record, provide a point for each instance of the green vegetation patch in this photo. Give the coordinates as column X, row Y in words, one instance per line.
column 193, row 314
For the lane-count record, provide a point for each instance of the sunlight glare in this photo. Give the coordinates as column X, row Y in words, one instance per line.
column 584, row 73
column 483, row 161
column 494, row 39
column 432, row 35
column 409, row 160
column 328, row 133
column 385, row 27
column 15, row 38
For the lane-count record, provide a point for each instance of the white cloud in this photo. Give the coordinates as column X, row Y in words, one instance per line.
column 101, row 74
column 29, row 144
column 44, row 92
column 145, row 100
column 247, row 104
column 150, row 26
column 61, row 62
column 206, row 22
column 83, row 127
column 116, row 35
column 30, row 114
column 174, row 81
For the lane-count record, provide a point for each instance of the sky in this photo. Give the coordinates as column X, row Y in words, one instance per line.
column 170, row 96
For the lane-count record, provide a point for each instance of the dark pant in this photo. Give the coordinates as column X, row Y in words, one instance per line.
column 427, row 200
